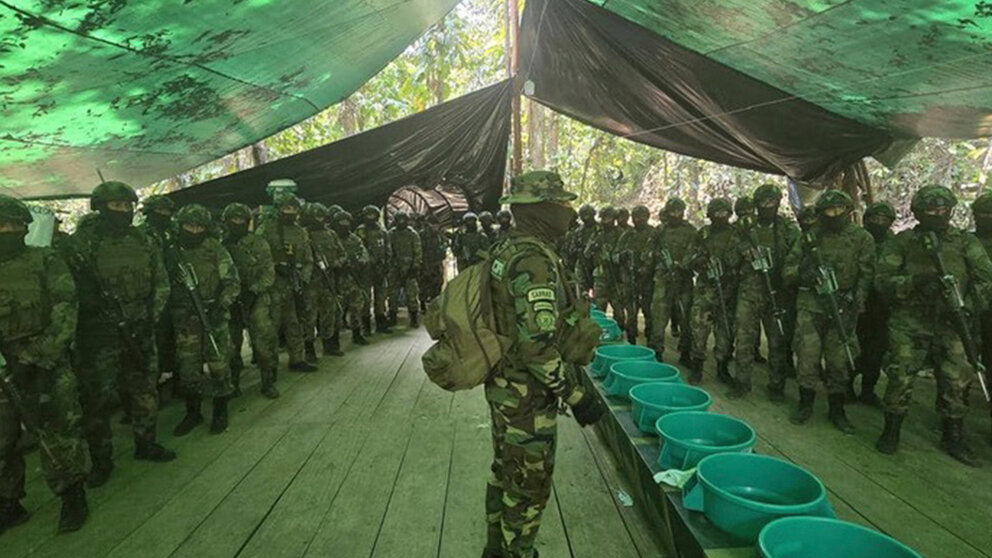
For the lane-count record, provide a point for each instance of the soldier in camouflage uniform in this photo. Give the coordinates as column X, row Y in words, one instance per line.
column 505, row 221
column 715, row 256
column 528, row 388
column 123, row 288
column 351, row 294
column 638, row 271
column 981, row 210
column 203, row 354
column 672, row 298
column 37, row 324
column 579, row 240
column 435, row 248
column 158, row 212
column 744, row 214
column 469, row 242
column 253, row 309
column 408, row 257
column 329, row 257
column 806, row 218
column 774, row 235
column 603, row 255
column 290, row 245
column 873, row 323
column 835, row 258
column 376, row 241
column 488, row 225
column 921, row 332
column 623, row 219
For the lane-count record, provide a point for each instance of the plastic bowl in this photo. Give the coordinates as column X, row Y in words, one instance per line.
column 607, row 355
column 611, row 331
column 597, row 313
column 819, row 537
column 652, row 401
column 689, row 436
column 626, row 374
column 740, row 493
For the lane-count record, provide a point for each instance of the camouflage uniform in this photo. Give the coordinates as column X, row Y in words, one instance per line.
column 253, row 310
column 776, row 235
column 714, row 255
column 603, row 255
column 353, row 297
column 158, row 212
column 408, row 257
column 37, row 324
column 323, row 310
column 505, row 221
column 290, row 245
column 672, row 298
column 848, row 252
column 921, row 332
column 120, row 279
column 204, row 370
column 376, row 240
column 578, row 241
column 435, row 248
column 638, row 271
column 487, row 224
column 469, row 242
column 873, row 323
column 529, row 385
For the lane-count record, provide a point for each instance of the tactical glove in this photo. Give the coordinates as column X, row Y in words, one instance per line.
column 588, row 410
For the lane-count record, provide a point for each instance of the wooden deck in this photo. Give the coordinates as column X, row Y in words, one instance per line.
column 365, row 458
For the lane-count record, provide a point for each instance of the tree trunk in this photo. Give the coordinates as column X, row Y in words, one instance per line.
column 983, row 171
column 589, row 156
column 552, row 136
column 535, row 134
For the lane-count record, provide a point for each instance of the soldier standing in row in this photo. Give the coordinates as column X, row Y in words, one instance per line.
column 123, row 287
column 322, row 297
column 873, row 323
column 672, row 298
column 833, row 266
column 293, row 260
column 603, row 254
column 353, row 298
column 253, row 309
column 376, row 241
column 158, row 212
column 487, row 224
column 579, row 240
column 469, row 242
column 435, row 249
column 921, row 326
column 404, row 243
column 205, row 285
column 715, row 259
column 981, row 210
column 37, row 324
column 505, row 221
column 638, row 268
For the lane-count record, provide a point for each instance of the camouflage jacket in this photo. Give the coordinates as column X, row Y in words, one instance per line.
column 162, row 237
column 778, row 238
column 636, row 256
column 434, row 245
column 217, row 278
column 376, row 241
column 253, row 259
column 848, row 253
column 576, row 244
column 469, row 246
column 603, row 254
column 406, row 248
column 679, row 242
column 37, row 308
column 329, row 255
column 290, row 245
column 716, row 244
column 128, row 267
column 357, row 263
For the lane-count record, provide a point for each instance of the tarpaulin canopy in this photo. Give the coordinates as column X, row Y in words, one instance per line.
column 145, row 89
column 463, row 141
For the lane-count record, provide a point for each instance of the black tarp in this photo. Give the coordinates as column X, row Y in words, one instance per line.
column 466, row 137
column 605, row 71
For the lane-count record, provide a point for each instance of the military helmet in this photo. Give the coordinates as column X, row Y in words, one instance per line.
column 717, row 205
column 623, row 214
column 401, row 218
column 14, row 210
column 342, row 216
column 158, row 203
column 315, row 212
column 236, row 211
column 486, row 217
column 193, row 214
column 536, row 187
column 370, row 212
column 607, row 213
column 743, row 205
column 881, row 208
column 111, row 192
column 641, row 212
column 469, row 216
column 982, row 204
column 287, row 200
column 831, row 199
column 674, row 204
column 766, row 192
column 587, row 212
column 504, row 214
column 933, row 197
column 807, row 214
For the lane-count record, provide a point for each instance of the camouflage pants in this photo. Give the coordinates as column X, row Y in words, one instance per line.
column 752, row 314
column 165, row 343
column 407, row 283
column 873, row 340
column 106, row 369
column 194, row 352
column 286, row 315
column 264, row 338
column 431, row 280
column 353, row 301
column 524, row 428
column 671, row 301
column 915, row 344
column 52, row 396
column 321, row 315
column 639, row 303
column 817, row 342
column 377, row 293
column 608, row 295
column 706, row 316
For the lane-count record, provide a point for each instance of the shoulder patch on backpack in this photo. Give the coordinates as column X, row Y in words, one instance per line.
column 541, row 293
column 498, row 268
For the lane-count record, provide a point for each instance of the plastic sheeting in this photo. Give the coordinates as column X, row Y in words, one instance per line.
column 146, row 89
column 606, row 71
column 463, row 141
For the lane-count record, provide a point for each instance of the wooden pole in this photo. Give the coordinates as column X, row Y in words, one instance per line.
column 513, row 32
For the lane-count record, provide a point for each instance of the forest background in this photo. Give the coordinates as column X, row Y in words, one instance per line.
column 467, row 51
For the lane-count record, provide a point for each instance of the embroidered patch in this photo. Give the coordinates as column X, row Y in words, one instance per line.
column 540, row 293
column 545, row 321
column 498, row 268
column 544, row 306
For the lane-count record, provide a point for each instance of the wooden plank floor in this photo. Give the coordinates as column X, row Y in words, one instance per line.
column 365, row 458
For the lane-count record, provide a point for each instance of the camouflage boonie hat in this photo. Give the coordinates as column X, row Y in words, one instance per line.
column 109, row 192
column 674, row 204
column 193, row 214
column 537, row 187
column 158, row 203
column 932, row 197
column 287, row 200
column 881, row 208
column 236, row 211
column 641, row 211
column 833, row 198
column 982, row 204
column 14, row 210
column 717, row 205
column 766, row 192
column 587, row 211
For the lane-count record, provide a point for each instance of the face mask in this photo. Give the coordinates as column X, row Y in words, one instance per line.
column 640, row 223
column 766, row 214
column 11, row 243
column 236, row 231
column 720, row 222
column 833, row 224
column 471, row 226
column 191, row 240
column 608, row 224
column 877, row 230
column 343, row 228
column 935, row 223
column 287, row 218
column 983, row 226
column 673, row 219
column 116, row 220
column 546, row 220
column 589, row 221
column 159, row 220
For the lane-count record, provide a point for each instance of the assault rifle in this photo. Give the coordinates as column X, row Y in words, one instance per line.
column 188, row 280
column 951, row 292
column 668, row 265
column 762, row 262
column 826, row 287
column 28, row 418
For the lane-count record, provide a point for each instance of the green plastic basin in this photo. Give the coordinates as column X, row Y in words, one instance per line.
column 689, row 436
column 607, row 355
column 740, row 493
column 626, row 374
column 652, row 401
column 611, row 331
column 597, row 313
column 819, row 537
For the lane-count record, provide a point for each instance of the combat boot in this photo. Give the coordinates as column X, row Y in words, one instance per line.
column 366, row 324
column 685, row 359
column 414, row 320
column 739, row 390
column 695, row 371
column 805, row 409
column 12, row 513
column 236, row 381
column 723, row 372
column 149, row 450
column 888, row 442
column 270, row 391
column 381, row 325
column 954, row 444
column 776, row 393
column 218, row 422
column 868, row 396
column 192, row 419
column 302, row 366
column 100, row 470
column 392, row 318
column 74, row 509
column 311, row 352
column 852, row 395
column 837, row 415
column 332, row 345
column 358, row 338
